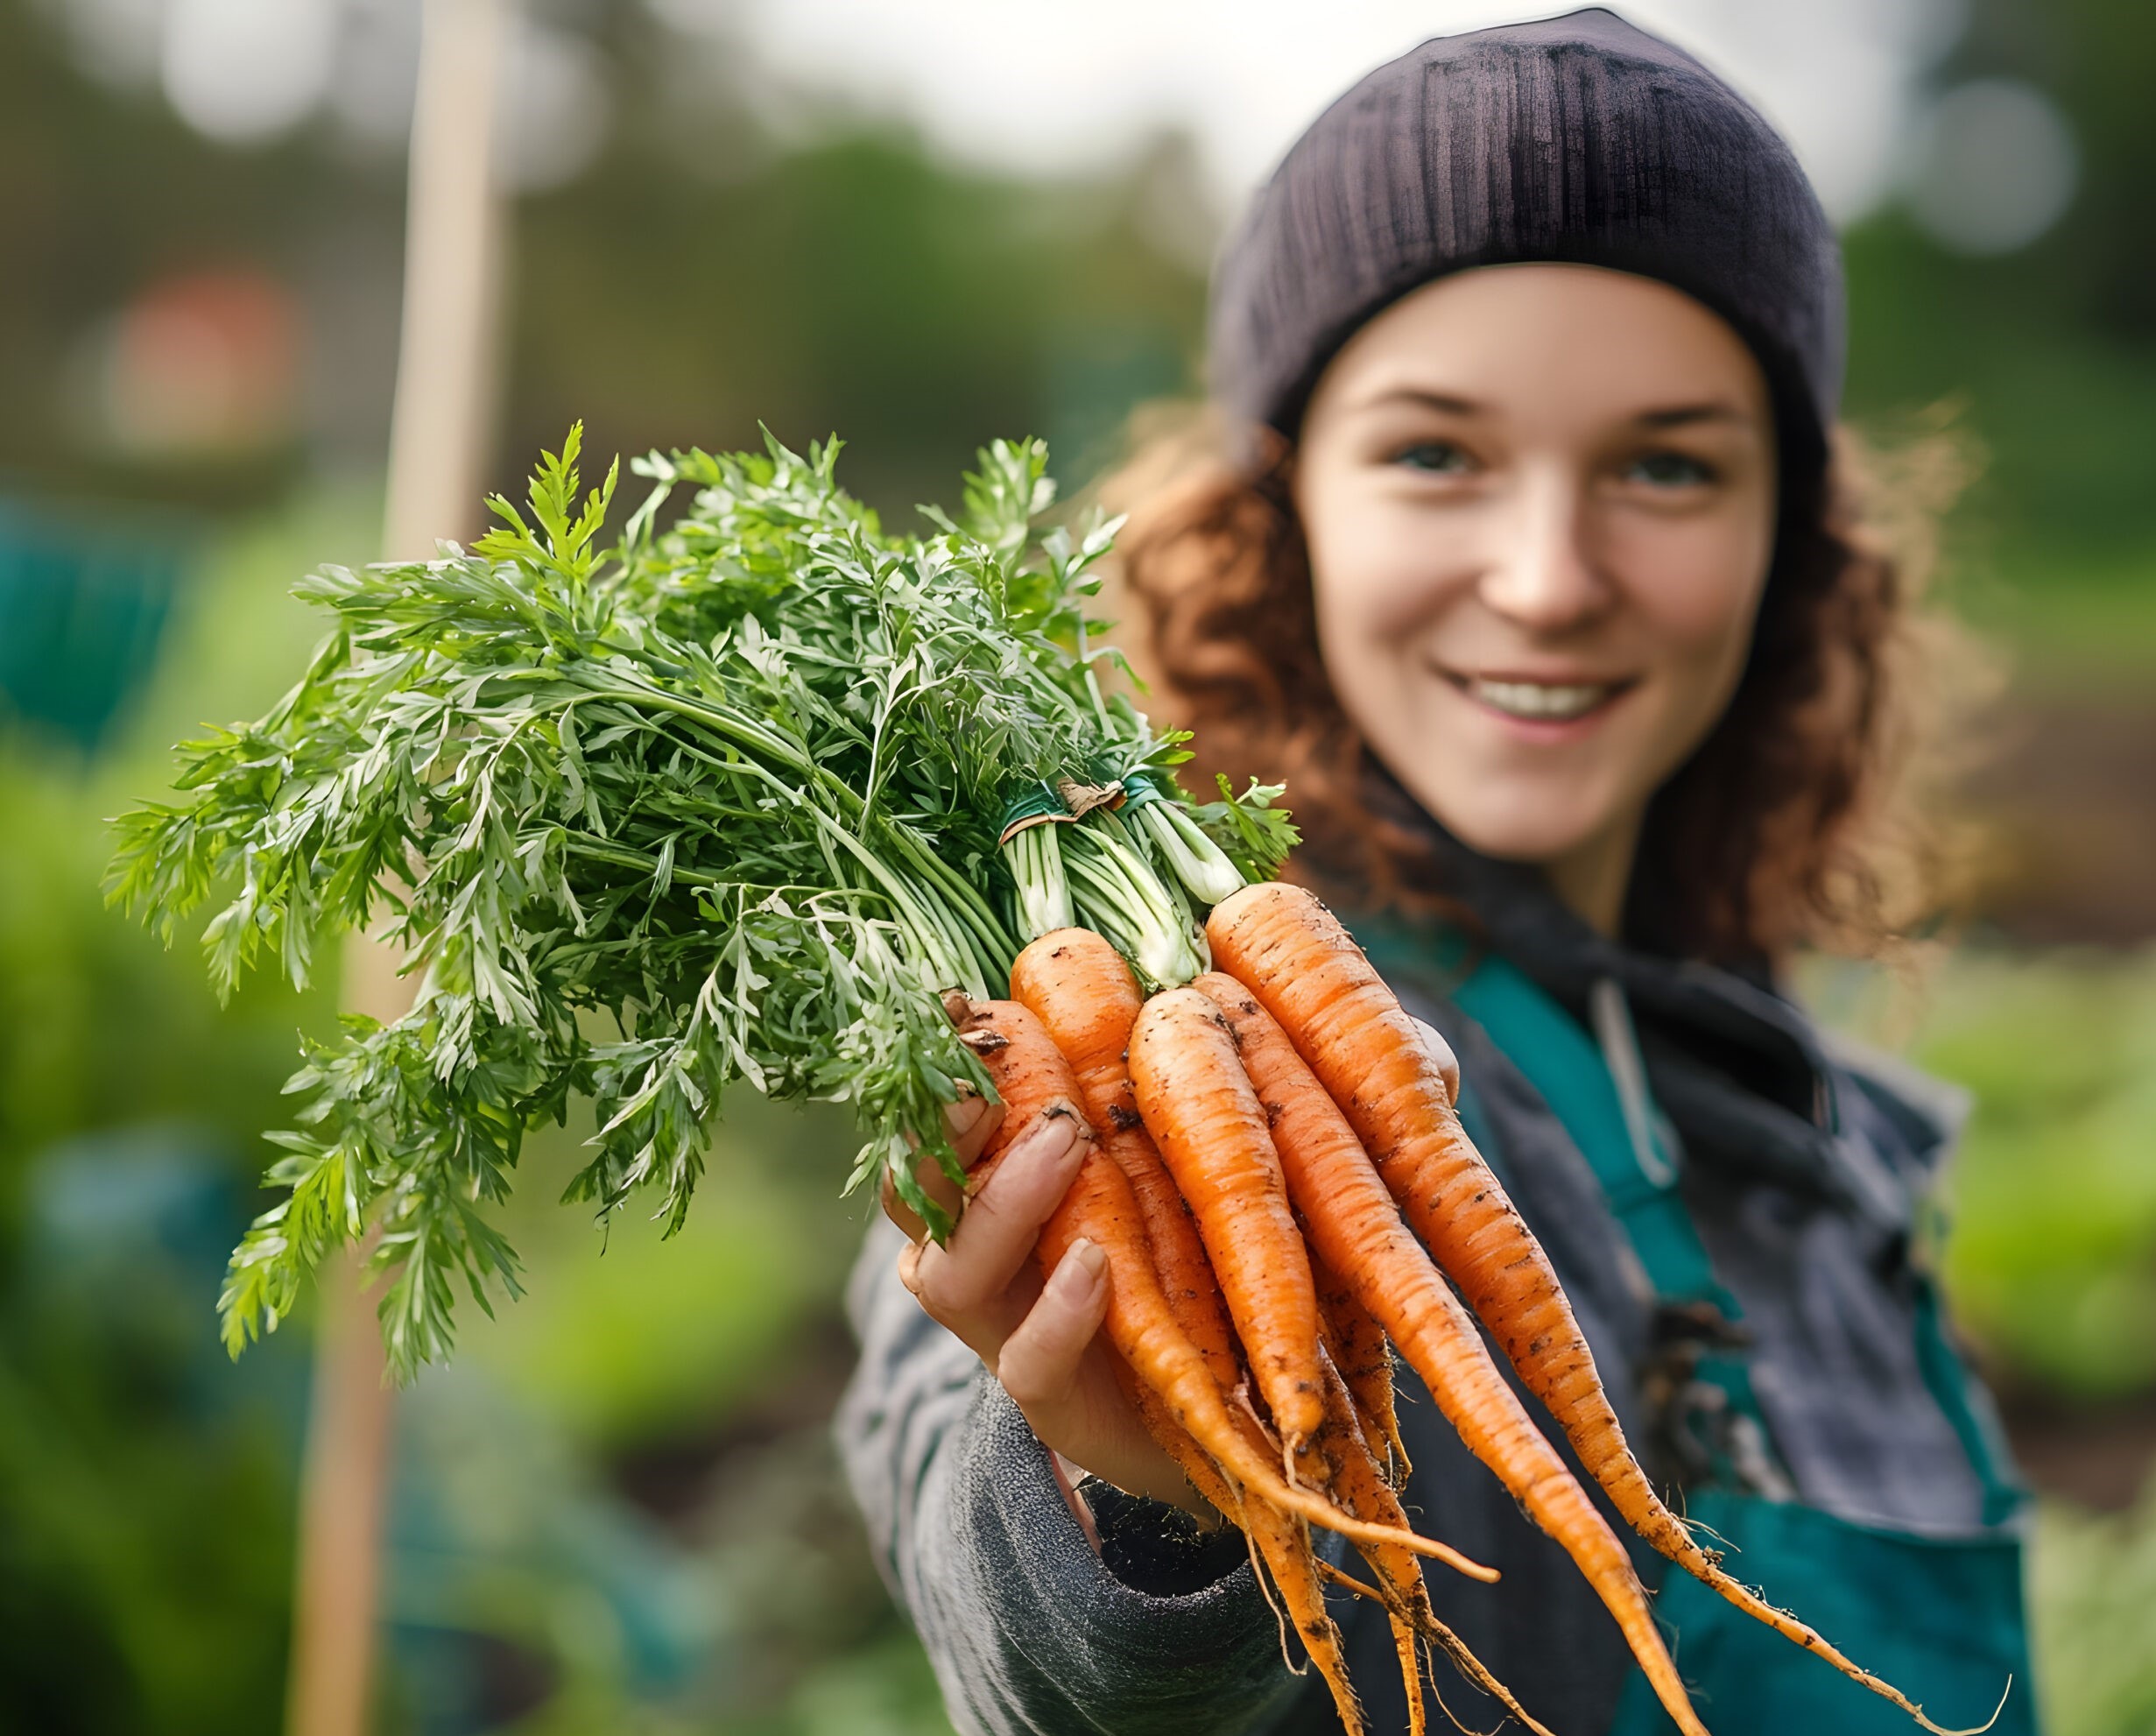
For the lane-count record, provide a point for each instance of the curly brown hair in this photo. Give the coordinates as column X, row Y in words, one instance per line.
column 1808, row 816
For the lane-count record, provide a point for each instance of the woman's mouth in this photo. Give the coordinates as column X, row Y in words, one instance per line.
column 1540, row 701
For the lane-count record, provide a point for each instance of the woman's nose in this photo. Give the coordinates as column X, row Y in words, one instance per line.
column 1545, row 577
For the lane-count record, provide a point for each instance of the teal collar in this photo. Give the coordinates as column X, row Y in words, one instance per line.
column 1599, row 1091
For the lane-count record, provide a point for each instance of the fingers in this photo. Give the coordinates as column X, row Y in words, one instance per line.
column 1447, row 1063
column 971, row 1122
column 966, row 1283
column 1060, row 1371
column 1041, row 1361
column 1042, row 1340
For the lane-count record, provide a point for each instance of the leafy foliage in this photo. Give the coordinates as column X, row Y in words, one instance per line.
column 718, row 804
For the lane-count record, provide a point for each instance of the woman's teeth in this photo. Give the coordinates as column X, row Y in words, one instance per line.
column 1541, row 700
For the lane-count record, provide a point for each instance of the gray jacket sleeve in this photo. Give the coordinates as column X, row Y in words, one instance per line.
column 1025, row 1627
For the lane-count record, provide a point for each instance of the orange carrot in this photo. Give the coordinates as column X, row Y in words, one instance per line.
column 1364, row 1359
column 1292, row 953
column 1283, row 1546
column 1200, row 1109
column 1032, row 1079
column 1356, row 1229
column 1080, row 988
column 1363, row 1490
column 1359, row 1485
column 1280, row 1546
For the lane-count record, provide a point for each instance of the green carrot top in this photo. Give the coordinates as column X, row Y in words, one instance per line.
column 725, row 801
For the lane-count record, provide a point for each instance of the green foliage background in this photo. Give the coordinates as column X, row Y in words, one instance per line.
column 617, row 1511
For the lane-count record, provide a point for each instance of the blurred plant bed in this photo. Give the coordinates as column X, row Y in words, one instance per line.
column 2096, row 1455
column 146, row 1485
column 528, row 1597
column 2050, row 1251
column 623, row 1336
column 621, row 1508
column 2092, row 1596
column 2069, row 801
column 820, row 1648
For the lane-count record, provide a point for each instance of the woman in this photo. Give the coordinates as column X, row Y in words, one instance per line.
column 1533, row 576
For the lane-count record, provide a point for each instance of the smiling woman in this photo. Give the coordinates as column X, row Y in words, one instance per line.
column 1536, row 506
column 1526, row 560
column 1539, row 505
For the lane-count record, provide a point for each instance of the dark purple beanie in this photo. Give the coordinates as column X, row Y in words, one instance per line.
column 1580, row 139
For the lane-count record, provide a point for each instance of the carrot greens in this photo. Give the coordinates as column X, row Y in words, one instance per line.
column 722, row 800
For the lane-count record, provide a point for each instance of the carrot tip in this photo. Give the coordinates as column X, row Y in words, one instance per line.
column 1917, row 1712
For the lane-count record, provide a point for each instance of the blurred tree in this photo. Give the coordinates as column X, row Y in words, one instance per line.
column 856, row 285
column 104, row 195
column 694, row 280
column 2097, row 58
column 2052, row 348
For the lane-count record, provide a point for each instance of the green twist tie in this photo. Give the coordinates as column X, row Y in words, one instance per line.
column 1140, row 787
column 1033, row 805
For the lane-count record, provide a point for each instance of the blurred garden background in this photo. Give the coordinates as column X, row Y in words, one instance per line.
column 920, row 224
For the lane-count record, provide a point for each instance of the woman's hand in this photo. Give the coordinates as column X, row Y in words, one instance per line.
column 1040, row 1340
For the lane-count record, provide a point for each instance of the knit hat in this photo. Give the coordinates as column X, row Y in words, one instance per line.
column 1579, row 140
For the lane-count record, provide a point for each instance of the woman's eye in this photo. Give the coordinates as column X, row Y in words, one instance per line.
column 1669, row 469
column 1439, row 457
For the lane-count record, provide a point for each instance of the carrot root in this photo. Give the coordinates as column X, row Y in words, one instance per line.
column 1033, row 1078
column 1356, row 1229
column 1294, row 956
column 1400, row 1582
column 1796, row 1632
column 1280, row 1549
column 1365, row 1359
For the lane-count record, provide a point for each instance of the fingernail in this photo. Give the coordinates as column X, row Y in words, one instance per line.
column 964, row 1115
column 1052, row 1135
column 1079, row 1273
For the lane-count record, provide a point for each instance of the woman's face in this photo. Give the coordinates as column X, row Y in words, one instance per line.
column 1539, row 503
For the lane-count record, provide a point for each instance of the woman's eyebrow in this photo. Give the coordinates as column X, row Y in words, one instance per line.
column 1448, row 402
column 1682, row 415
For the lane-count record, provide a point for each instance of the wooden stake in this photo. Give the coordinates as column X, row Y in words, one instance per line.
column 337, row 1591
column 443, row 415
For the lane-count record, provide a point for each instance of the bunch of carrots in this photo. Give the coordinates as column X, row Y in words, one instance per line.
column 737, row 799
column 1281, row 1188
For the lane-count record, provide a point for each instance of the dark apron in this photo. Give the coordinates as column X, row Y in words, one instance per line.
column 1940, row 1618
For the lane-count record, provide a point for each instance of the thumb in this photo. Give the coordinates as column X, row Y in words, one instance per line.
column 1440, row 1052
